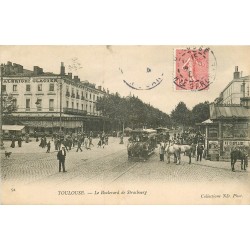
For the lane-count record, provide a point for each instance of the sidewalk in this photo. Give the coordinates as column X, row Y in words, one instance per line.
column 213, row 164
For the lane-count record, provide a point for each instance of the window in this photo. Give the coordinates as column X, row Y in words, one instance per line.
column 86, row 106
column 3, row 88
column 14, row 87
column 67, row 104
column 39, row 104
column 72, row 105
column 86, row 95
column 40, row 87
column 242, row 88
column 82, row 106
column 51, row 104
column 27, row 104
column 51, row 87
column 14, row 103
column 27, row 87
column 77, row 106
column 89, row 96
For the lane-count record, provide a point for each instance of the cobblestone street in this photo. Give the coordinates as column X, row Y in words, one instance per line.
column 30, row 164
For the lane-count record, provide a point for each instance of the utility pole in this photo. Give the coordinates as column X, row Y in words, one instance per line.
column 1, row 108
column 60, row 85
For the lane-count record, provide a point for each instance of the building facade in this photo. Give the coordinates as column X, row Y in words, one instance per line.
column 48, row 102
column 229, row 123
column 238, row 88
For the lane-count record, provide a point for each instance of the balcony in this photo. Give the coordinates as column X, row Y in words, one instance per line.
column 67, row 94
column 74, row 111
column 77, row 97
column 82, row 97
column 73, row 95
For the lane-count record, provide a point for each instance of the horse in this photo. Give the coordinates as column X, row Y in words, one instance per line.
column 173, row 150
column 239, row 154
column 177, row 149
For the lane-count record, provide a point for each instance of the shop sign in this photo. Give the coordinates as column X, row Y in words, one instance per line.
column 213, row 147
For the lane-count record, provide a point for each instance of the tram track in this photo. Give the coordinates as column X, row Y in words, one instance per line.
column 77, row 167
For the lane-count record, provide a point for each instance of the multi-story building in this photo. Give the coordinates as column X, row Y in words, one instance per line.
column 238, row 88
column 229, row 123
column 48, row 102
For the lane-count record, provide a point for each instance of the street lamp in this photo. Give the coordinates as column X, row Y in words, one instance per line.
column 1, row 107
column 60, row 88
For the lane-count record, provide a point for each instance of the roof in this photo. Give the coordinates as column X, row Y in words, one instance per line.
column 228, row 111
column 12, row 127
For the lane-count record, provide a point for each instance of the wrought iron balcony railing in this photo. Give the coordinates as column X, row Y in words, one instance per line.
column 74, row 111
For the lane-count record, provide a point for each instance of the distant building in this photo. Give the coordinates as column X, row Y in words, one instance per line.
column 38, row 96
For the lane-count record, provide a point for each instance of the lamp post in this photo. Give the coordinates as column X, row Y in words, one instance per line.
column 60, row 103
column 1, row 108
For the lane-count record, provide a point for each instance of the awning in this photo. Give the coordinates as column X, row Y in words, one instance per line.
column 208, row 121
column 12, row 127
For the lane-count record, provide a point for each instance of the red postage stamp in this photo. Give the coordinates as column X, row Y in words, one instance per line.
column 192, row 69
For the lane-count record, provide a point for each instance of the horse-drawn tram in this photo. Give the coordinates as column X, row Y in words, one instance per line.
column 162, row 134
column 141, row 143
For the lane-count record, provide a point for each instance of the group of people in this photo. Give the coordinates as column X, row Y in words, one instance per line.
column 19, row 140
column 195, row 149
column 188, row 138
column 65, row 142
column 69, row 141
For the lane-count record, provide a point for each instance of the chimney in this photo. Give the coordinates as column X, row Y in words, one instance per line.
column 99, row 87
column 236, row 73
column 70, row 75
column 76, row 79
column 62, row 72
column 241, row 73
column 20, row 68
column 40, row 71
column 37, row 70
column 9, row 63
column 107, row 91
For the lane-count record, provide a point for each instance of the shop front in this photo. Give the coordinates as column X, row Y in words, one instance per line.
column 228, row 128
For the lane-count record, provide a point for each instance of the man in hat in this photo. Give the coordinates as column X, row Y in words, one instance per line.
column 61, row 155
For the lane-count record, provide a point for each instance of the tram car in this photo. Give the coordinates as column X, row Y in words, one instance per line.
column 141, row 144
column 162, row 134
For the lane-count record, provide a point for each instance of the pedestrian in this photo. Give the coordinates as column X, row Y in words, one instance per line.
column 106, row 140
column 27, row 138
column 91, row 141
column 61, row 155
column 19, row 141
column 99, row 143
column 86, row 142
column 162, row 151
column 79, row 144
column 48, row 147
column 200, row 149
column 13, row 141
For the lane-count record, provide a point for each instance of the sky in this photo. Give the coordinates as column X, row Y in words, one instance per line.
column 109, row 66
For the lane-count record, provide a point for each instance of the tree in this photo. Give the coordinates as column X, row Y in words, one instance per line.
column 8, row 107
column 200, row 112
column 132, row 112
column 181, row 115
column 8, row 104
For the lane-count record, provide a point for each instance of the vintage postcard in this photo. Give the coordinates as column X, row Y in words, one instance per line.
column 125, row 124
